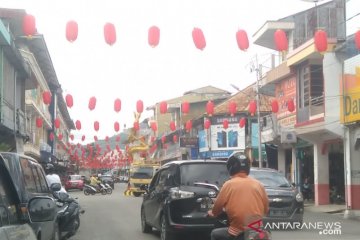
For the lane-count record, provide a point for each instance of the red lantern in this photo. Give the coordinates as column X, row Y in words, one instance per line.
column 96, row 125
column 357, row 39
column 154, row 36
column 78, row 125
column 139, row 106
column 163, row 139
column 172, row 126
column 242, row 122
column 185, row 107
column 117, row 105
column 207, row 124
column 95, row 139
column 232, row 108
column 242, row 40
column 46, row 97
column 71, row 137
column 71, row 31
column 51, row 136
column 274, row 106
column 188, row 125
column 225, row 123
column 60, row 136
column 110, row 33
column 154, row 126
column 118, row 138
column 163, row 107
column 291, row 105
column 199, row 38
column 29, row 25
column 136, row 126
column 175, row 138
column 107, row 139
column 92, row 103
column 57, row 123
column 116, row 126
column 252, row 108
column 210, row 108
column 69, row 100
column 39, row 122
column 281, row 41
column 320, row 39
column 83, row 138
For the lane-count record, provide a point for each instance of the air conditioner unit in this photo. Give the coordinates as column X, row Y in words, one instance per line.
column 288, row 137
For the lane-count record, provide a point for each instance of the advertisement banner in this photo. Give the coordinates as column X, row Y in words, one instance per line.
column 232, row 138
column 203, row 141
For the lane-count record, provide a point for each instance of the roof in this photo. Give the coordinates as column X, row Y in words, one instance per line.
column 207, row 90
column 242, row 99
column 180, row 162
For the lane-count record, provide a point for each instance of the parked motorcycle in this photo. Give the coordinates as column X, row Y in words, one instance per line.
column 68, row 214
column 88, row 189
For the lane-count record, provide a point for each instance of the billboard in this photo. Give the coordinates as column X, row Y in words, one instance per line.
column 232, row 138
column 350, row 102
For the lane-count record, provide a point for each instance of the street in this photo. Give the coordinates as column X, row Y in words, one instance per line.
column 117, row 217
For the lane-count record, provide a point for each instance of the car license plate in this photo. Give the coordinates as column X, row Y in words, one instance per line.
column 278, row 213
column 73, row 184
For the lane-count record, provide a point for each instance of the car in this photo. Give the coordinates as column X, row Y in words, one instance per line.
column 107, row 179
column 181, row 193
column 74, row 182
column 26, row 200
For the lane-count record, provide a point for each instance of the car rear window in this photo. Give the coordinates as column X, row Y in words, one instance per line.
column 213, row 173
column 75, row 177
column 270, row 179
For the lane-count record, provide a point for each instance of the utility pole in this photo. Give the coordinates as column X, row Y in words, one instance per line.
column 258, row 69
column 258, row 78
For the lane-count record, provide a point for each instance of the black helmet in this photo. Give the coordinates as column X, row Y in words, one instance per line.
column 238, row 162
column 49, row 168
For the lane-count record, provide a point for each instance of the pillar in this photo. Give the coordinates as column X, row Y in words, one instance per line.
column 281, row 161
column 321, row 175
column 352, row 172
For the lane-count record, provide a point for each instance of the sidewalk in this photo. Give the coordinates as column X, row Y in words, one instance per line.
column 337, row 209
column 330, row 208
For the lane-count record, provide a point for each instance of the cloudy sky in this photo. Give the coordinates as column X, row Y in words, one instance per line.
column 130, row 69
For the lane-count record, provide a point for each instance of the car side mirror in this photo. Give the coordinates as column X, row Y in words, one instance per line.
column 55, row 187
column 42, row 209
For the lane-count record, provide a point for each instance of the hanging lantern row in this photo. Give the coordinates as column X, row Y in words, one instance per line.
column 280, row 38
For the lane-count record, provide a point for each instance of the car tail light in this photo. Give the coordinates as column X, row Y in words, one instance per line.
column 176, row 193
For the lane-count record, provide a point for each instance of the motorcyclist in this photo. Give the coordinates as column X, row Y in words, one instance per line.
column 94, row 181
column 243, row 198
column 52, row 177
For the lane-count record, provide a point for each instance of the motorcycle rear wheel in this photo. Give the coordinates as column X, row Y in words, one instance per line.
column 86, row 192
column 103, row 192
column 109, row 191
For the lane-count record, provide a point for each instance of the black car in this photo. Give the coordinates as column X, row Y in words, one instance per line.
column 25, row 201
column 107, row 179
column 181, row 193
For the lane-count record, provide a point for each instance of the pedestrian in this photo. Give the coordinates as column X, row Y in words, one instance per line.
column 52, row 177
column 306, row 189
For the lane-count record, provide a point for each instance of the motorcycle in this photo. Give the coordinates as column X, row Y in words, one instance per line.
column 253, row 231
column 108, row 188
column 88, row 189
column 68, row 215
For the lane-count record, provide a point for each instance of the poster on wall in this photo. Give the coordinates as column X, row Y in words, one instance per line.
column 232, row 138
column 203, row 141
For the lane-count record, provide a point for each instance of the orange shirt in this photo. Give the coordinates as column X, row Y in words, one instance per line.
column 244, row 199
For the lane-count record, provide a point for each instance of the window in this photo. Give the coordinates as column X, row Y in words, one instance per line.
column 42, row 180
column 213, row 173
column 270, row 179
column 154, row 181
column 30, row 183
column 8, row 209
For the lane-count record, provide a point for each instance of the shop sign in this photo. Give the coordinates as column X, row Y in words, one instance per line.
column 189, row 142
column 350, row 102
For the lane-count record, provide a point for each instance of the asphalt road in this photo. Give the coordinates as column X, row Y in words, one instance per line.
column 117, row 217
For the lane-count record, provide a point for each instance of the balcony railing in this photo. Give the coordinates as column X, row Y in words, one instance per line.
column 314, row 110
